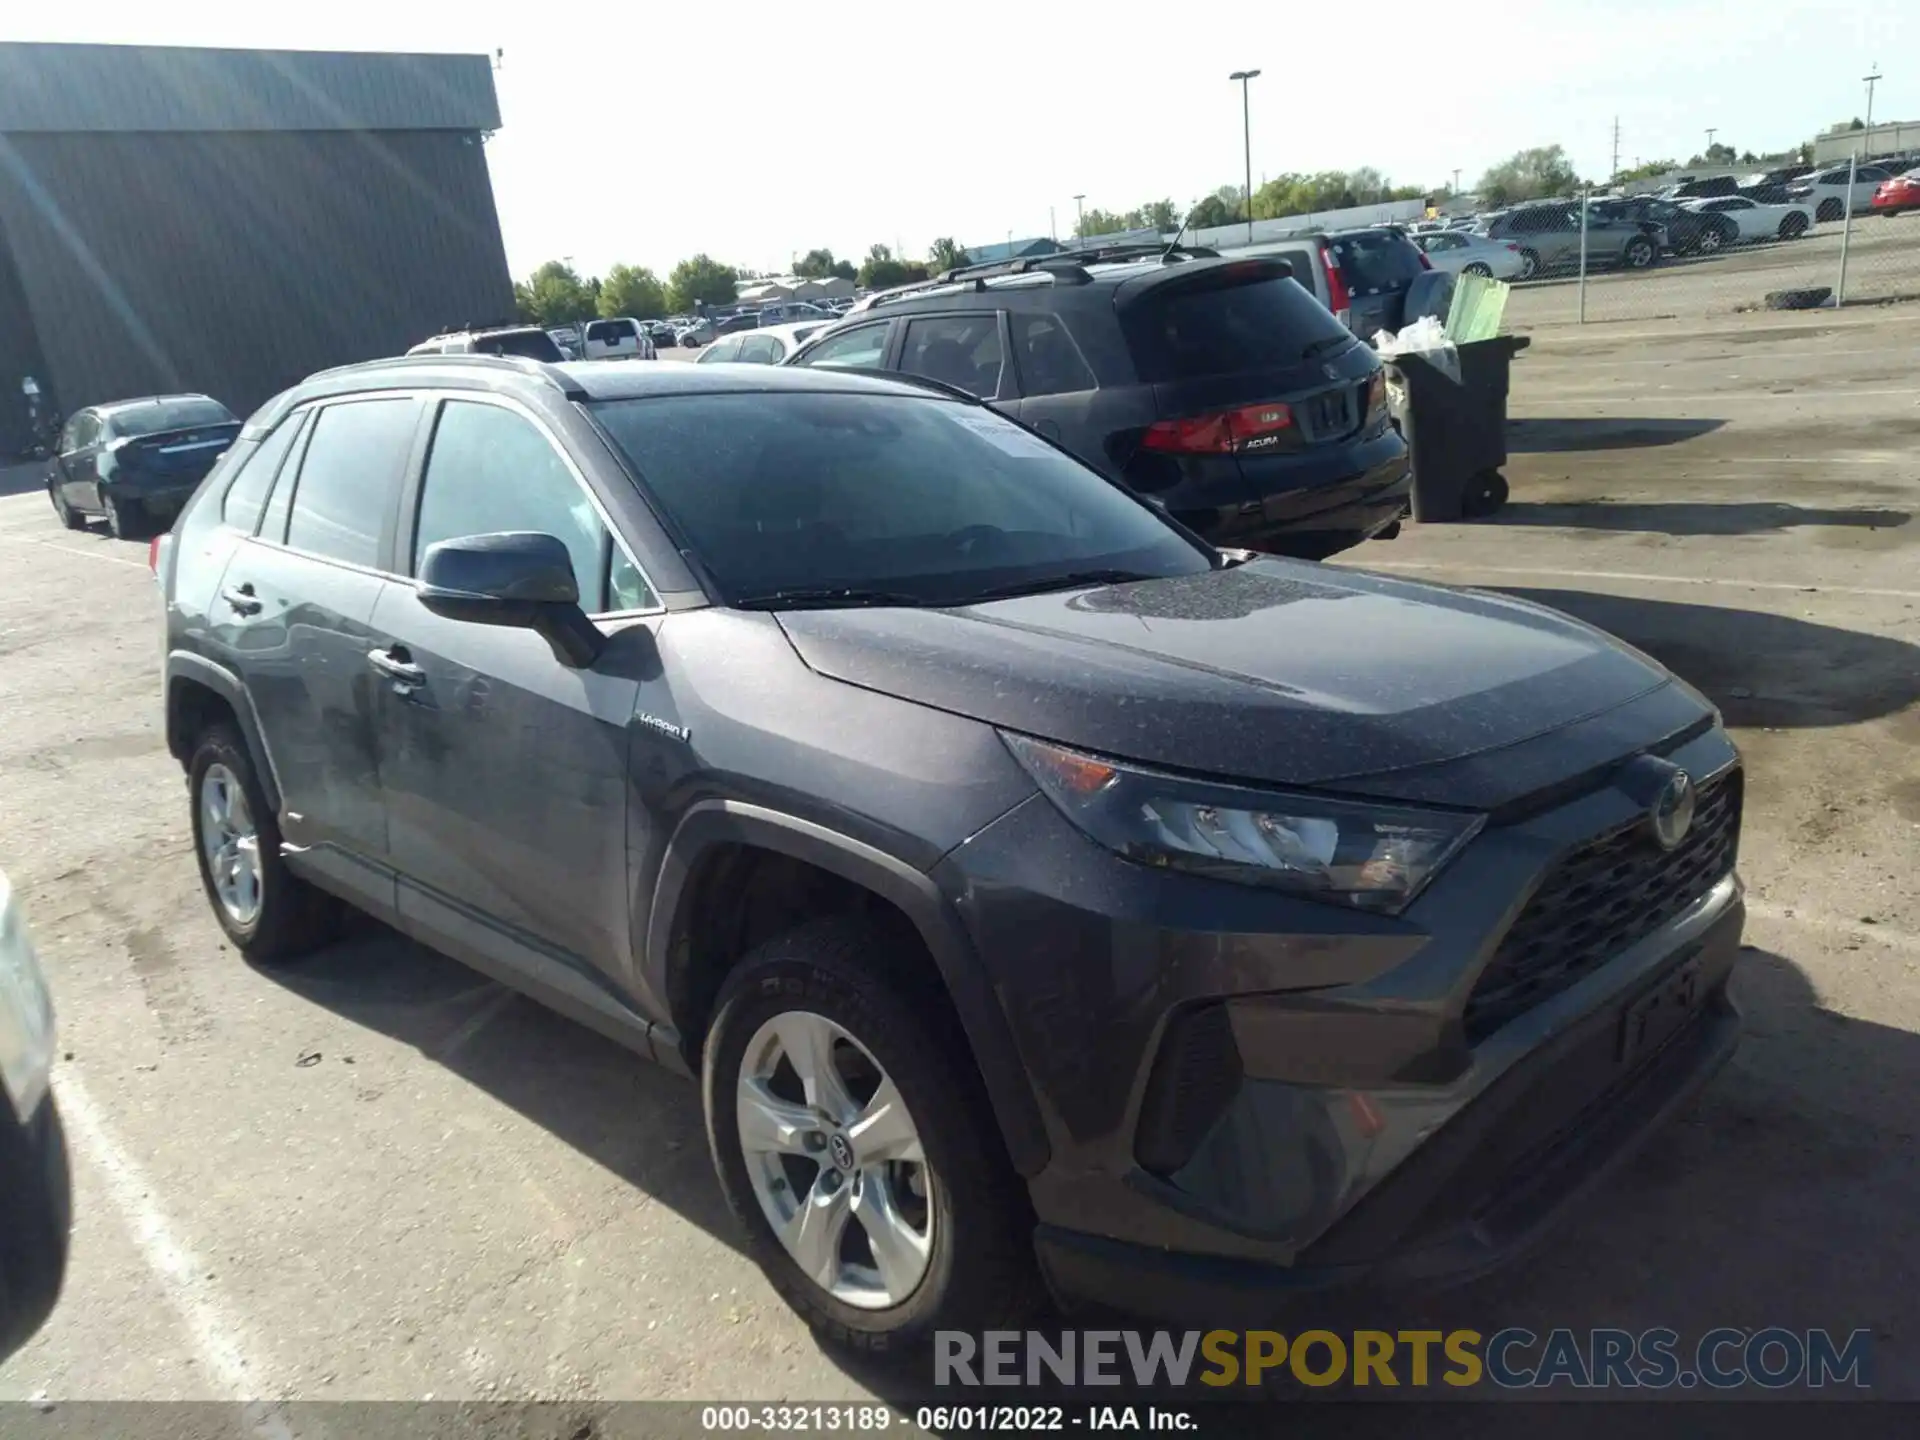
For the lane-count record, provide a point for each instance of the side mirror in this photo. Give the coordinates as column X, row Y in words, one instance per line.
column 515, row 578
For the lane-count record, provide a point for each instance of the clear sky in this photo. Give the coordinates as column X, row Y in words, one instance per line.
column 644, row 131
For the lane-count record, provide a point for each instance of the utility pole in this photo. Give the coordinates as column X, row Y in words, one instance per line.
column 1053, row 228
column 1456, row 180
column 1871, row 80
column 1079, row 218
column 1614, row 174
column 1711, row 132
column 1246, row 129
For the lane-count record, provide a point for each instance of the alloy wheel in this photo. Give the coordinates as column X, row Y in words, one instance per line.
column 230, row 841
column 835, row 1160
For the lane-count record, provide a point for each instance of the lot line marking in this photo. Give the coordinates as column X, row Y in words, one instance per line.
column 1759, row 356
column 217, row 1337
column 1638, row 577
column 69, row 550
column 1661, row 397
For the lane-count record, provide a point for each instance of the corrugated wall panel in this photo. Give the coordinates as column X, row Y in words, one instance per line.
column 64, row 88
column 237, row 264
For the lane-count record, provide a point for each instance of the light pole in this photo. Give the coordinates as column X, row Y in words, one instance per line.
column 1456, row 184
column 1246, row 132
column 1711, row 132
column 1871, row 80
column 1079, row 218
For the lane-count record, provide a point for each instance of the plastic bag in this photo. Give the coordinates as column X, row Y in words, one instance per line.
column 1427, row 338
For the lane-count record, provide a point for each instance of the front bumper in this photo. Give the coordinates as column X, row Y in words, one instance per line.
column 36, row 1207
column 1247, row 1093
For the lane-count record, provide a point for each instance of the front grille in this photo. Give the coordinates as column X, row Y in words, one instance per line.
column 1601, row 898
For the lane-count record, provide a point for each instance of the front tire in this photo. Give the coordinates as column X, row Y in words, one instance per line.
column 268, row 912
column 1639, row 253
column 1529, row 264
column 1793, row 227
column 855, row 1146
column 1478, row 267
column 1710, row 241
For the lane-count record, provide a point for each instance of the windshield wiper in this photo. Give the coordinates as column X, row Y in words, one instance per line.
column 1073, row 580
column 826, row 597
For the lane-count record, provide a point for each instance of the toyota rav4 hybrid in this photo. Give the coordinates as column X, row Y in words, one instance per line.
column 1035, row 892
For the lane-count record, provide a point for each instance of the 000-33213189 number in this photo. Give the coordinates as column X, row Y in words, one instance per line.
column 723, row 1419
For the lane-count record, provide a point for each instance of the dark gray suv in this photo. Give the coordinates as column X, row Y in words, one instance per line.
column 1024, row 880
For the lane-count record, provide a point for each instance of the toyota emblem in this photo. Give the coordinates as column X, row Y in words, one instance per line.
column 1671, row 813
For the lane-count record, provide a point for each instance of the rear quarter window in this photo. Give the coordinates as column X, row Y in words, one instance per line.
column 1376, row 262
column 1184, row 331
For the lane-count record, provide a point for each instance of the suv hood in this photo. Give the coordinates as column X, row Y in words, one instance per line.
column 1278, row 671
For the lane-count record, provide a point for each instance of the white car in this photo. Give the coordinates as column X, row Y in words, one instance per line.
column 617, row 339
column 1825, row 191
column 1757, row 221
column 1461, row 253
column 769, row 345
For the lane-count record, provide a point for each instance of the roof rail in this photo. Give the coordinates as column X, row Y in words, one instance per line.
column 907, row 377
column 1142, row 249
column 1062, row 267
column 525, row 365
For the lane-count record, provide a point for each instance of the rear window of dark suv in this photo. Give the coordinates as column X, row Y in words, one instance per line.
column 1376, row 260
column 1226, row 324
column 528, row 344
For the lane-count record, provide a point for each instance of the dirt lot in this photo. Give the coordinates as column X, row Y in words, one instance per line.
column 380, row 1176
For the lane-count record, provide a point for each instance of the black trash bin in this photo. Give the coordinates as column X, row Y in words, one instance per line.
column 1456, row 434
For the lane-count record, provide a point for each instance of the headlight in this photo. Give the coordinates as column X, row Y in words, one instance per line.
column 26, row 1013
column 1371, row 857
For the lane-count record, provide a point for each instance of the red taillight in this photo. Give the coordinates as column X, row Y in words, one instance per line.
column 1339, row 298
column 1219, row 434
column 1425, row 263
column 1513, row 247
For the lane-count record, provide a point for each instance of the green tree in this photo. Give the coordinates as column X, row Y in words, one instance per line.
column 1532, row 174
column 632, row 290
column 819, row 264
column 880, row 271
column 1161, row 215
column 1650, row 170
column 701, row 278
column 554, row 294
column 946, row 254
column 1212, row 210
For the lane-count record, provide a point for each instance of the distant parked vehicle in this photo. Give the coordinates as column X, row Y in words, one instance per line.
column 696, row 333
column 1827, row 191
column 734, row 324
column 136, row 462
column 529, row 342
column 622, row 338
column 1683, row 229
column 769, row 345
column 1898, row 194
column 568, row 341
column 1549, row 239
column 1759, row 222
column 1460, row 253
column 1370, row 279
column 1691, row 189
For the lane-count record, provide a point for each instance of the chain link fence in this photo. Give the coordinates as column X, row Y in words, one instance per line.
column 1842, row 234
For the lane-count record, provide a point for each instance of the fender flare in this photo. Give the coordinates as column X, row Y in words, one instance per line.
column 185, row 665
column 719, row 822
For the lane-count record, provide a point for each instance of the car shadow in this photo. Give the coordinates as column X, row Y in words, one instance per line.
column 1727, row 1216
column 1555, row 436
column 1761, row 669
column 1681, row 518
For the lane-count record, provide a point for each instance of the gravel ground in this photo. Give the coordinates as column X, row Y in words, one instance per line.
column 381, row 1176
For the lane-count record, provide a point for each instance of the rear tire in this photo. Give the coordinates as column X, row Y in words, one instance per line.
column 1829, row 210
column 1529, row 264
column 1478, row 267
column 289, row 917
column 975, row 1265
column 1639, row 254
column 125, row 518
column 1793, row 227
column 1710, row 241
column 69, row 517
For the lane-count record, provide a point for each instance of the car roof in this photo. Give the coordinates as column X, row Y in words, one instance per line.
column 813, row 327
column 584, row 380
column 114, row 407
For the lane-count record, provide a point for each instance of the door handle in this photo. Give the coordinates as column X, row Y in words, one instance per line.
column 398, row 667
column 242, row 600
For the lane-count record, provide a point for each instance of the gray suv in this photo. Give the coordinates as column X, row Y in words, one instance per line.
column 1548, row 235
column 1035, row 891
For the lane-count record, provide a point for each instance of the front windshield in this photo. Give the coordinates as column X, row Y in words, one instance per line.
column 931, row 501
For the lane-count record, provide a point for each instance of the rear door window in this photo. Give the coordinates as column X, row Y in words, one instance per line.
column 1376, row 262
column 246, row 494
column 1227, row 327
column 962, row 350
column 759, row 350
column 348, row 477
column 862, row 347
column 1050, row 362
column 530, row 344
